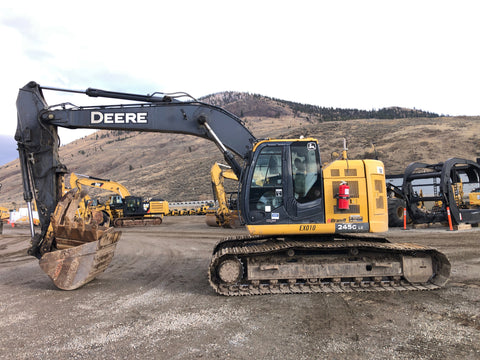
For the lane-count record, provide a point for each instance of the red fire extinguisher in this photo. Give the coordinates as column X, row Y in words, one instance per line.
column 343, row 196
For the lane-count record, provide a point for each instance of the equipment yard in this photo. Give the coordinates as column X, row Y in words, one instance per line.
column 155, row 301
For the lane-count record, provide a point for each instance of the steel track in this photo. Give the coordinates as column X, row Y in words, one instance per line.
column 244, row 247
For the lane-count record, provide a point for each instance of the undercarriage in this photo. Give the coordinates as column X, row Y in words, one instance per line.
column 137, row 221
column 266, row 265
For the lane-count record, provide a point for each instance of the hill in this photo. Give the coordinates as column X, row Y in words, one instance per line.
column 244, row 105
column 176, row 167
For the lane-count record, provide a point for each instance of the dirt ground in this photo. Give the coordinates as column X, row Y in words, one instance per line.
column 155, row 302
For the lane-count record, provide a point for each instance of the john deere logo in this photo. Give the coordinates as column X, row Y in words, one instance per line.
column 97, row 117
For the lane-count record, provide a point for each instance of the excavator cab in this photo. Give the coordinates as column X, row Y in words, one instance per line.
column 284, row 184
column 133, row 206
column 116, row 202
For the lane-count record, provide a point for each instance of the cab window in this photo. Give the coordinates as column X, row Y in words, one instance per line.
column 266, row 192
column 305, row 161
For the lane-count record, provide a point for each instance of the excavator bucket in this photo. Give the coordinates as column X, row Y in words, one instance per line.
column 211, row 220
column 230, row 220
column 83, row 249
column 234, row 221
column 71, row 268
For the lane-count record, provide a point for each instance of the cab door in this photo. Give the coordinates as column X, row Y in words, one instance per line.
column 304, row 195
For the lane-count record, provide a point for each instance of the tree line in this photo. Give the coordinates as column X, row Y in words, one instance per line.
column 224, row 99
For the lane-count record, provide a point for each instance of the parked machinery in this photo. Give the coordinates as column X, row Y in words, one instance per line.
column 430, row 192
column 396, row 203
column 4, row 212
column 4, row 215
column 226, row 213
column 447, row 181
column 474, row 197
column 194, row 207
column 122, row 209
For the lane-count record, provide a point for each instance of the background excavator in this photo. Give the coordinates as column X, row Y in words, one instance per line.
column 122, row 209
column 4, row 214
column 226, row 213
column 305, row 221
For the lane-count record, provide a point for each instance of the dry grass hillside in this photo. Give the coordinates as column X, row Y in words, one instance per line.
column 176, row 167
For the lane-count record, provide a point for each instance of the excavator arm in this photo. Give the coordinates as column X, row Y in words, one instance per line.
column 224, row 216
column 77, row 180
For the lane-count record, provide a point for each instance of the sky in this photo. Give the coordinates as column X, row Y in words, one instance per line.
column 348, row 54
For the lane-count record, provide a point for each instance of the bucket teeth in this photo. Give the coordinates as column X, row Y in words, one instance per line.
column 82, row 250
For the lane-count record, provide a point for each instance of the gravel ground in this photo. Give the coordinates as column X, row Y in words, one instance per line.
column 154, row 301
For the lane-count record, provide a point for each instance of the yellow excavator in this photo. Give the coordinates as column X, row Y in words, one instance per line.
column 4, row 212
column 306, row 222
column 122, row 209
column 226, row 215
column 4, row 215
column 474, row 197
